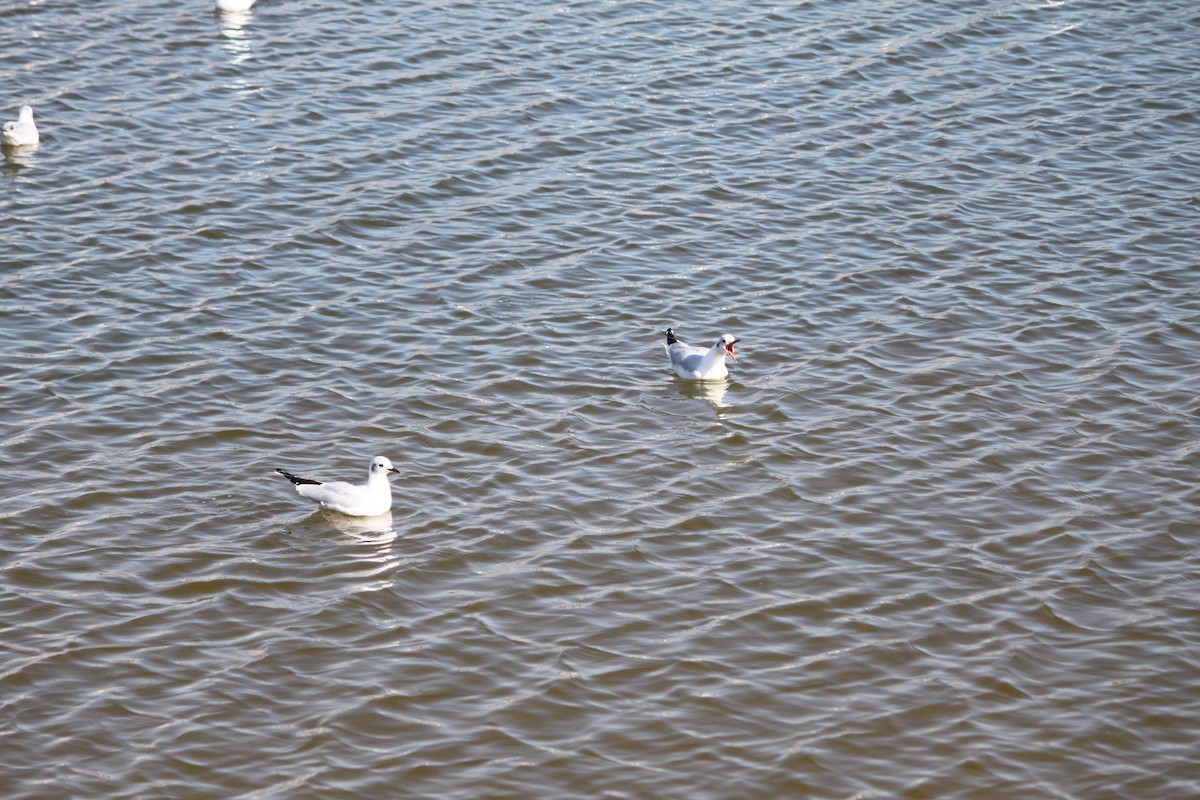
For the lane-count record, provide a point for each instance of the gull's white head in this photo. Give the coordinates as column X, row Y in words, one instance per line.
column 727, row 342
column 381, row 466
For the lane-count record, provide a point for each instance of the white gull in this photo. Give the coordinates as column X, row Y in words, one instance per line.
column 698, row 363
column 355, row 499
column 22, row 132
column 234, row 5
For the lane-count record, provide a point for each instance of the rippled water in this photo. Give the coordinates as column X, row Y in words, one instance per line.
column 936, row 537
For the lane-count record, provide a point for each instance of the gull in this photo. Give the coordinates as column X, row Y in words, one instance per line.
column 698, row 364
column 355, row 499
column 234, row 5
column 22, row 132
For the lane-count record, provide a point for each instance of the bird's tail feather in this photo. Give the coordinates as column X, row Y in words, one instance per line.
column 297, row 481
column 670, row 336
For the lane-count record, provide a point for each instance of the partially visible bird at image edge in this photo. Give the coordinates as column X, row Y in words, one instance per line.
column 234, row 5
column 21, row 132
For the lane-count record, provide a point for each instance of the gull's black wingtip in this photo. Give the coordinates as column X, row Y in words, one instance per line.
column 295, row 480
column 671, row 337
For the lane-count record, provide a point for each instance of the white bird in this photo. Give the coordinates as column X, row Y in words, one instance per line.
column 22, row 132
column 698, row 364
column 355, row 499
column 234, row 5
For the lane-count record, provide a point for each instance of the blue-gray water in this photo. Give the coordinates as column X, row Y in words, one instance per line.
column 935, row 538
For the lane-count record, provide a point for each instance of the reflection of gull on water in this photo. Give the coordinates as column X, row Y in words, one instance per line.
column 712, row 392
column 368, row 530
column 237, row 37
column 364, row 539
column 18, row 158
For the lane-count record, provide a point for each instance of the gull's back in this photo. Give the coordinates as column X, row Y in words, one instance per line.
column 685, row 358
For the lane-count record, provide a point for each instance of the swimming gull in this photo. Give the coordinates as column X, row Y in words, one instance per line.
column 22, row 132
column 355, row 499
column 697, row 363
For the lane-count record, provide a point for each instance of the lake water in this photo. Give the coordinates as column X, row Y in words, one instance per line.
column 936, row 537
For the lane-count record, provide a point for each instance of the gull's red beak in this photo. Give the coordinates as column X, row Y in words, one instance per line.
column 393, row 469
column 729, row 349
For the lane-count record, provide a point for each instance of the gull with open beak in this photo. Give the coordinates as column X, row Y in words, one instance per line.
column 697, row 363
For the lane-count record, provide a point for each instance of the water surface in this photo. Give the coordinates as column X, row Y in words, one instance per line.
column 935, row 538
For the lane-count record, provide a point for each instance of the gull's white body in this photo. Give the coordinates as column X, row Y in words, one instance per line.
column 699, row 363
column 234, row 5
column 22, row 132
column 355, row 499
